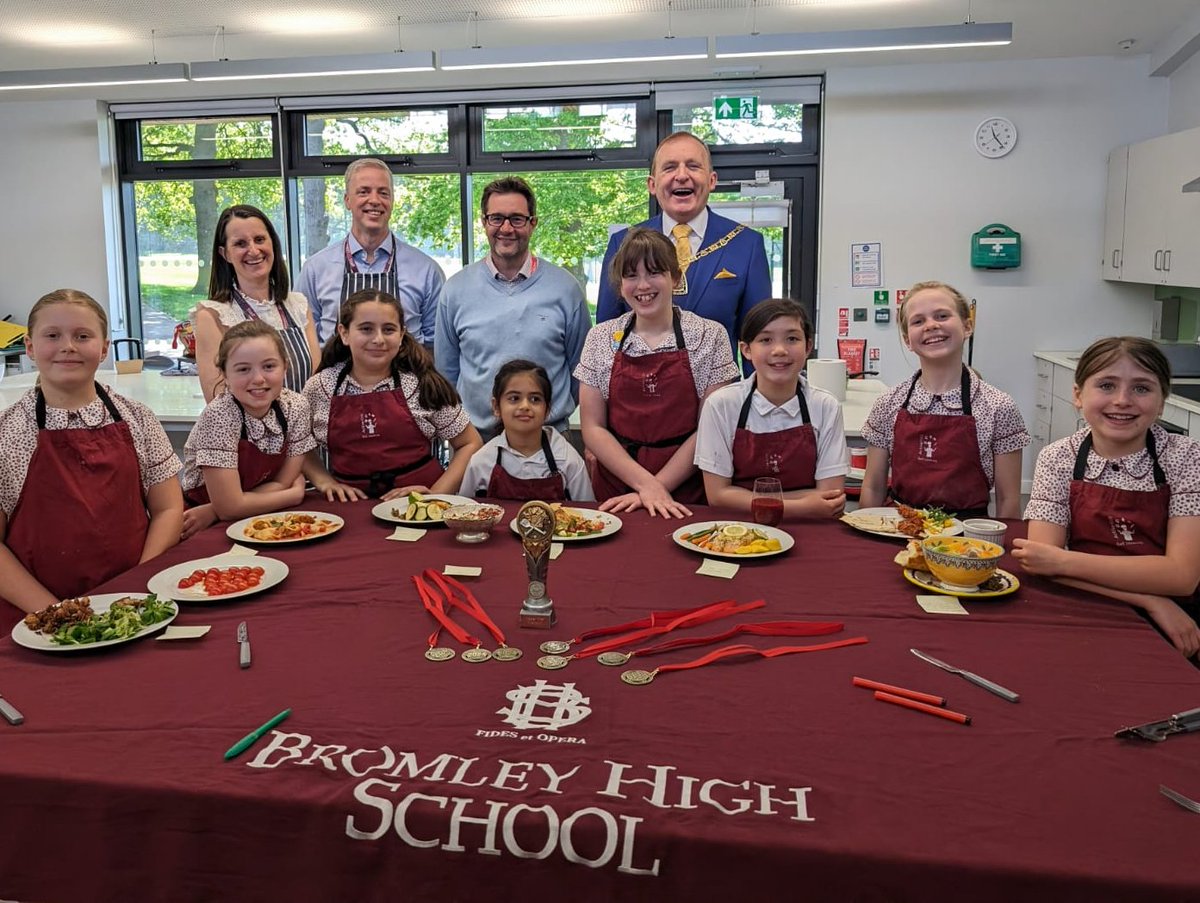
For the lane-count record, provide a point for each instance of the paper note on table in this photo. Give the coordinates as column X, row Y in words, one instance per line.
column 457, row 570
column 406, row 534
column 183, row 633
column 556, row 549
column 941, row 605
column 714, row 568
column 242, row 550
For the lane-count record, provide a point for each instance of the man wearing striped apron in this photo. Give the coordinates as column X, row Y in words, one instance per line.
column 372, row 257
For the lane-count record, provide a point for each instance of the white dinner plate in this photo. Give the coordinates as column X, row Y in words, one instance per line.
column 785, row 539
column 32, row 639
column 166, row 583
column 955, row 528
column 612, row 524
column 383, row 510
column 237, row 531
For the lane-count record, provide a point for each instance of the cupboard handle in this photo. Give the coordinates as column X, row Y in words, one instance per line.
column 1158, row 260
column 1116, row 258
column 1167, row 260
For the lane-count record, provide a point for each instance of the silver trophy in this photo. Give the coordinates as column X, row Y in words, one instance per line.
column 535, row 524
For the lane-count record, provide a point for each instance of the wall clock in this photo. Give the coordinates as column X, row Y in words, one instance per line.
column 995, row 137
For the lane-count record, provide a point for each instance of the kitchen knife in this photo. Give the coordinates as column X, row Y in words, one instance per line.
column 10, row 713
column 1000, row 691
column 243, row 637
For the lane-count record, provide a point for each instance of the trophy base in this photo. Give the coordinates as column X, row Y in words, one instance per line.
column 537, row 620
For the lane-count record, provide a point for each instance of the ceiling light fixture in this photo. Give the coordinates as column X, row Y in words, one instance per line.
column 95, row 76
column 312, row 66
column 969, row 34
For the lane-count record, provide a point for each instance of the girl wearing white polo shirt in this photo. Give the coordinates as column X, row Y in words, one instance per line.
column 773, row 423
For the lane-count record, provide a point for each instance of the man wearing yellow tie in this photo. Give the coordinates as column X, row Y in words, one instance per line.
column 724, row 264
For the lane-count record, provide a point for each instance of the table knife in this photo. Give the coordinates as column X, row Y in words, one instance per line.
column 988, row 685
column 243, row 637
column 10, row 713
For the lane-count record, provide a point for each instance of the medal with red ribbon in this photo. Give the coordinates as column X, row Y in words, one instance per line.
column 761, row 628
column 638, row 677
column 454, row 595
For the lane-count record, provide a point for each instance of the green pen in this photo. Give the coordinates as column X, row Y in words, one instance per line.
column 249, row 740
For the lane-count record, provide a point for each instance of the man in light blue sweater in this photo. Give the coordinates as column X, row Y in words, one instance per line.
column 510, row 305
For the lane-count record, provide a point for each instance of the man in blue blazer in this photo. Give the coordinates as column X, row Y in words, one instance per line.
column 726, row 272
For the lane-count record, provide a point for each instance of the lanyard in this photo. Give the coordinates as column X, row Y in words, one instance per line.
column 761, row 628
column 639, row 677
column 559, row 647
column 458, row 596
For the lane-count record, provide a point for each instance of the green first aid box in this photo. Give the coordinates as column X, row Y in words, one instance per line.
column 996, row 247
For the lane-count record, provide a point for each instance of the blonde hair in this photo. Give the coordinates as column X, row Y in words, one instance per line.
column 69, row 296
column 961, row 305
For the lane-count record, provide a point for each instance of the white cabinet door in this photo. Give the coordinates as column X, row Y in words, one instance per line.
column 1182, row 210
column 1114, row 214
column 1145, row 241
column 1064, row 419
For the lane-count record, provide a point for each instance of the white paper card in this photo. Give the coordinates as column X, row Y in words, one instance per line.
column 941, row 605
column 556, row 549
column 406, row 534
column 456, row 570
column 714, row 568
column 183, row 633
column 242, row 550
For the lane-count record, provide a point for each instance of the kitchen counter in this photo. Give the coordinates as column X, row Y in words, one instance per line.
column 1069, row 359
column 175, row 400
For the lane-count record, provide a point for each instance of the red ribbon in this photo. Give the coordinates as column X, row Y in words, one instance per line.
column 692, row 618
column 730, row 651
column 761, row 628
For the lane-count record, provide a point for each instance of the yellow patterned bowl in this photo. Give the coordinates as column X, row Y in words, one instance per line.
column 958, row 561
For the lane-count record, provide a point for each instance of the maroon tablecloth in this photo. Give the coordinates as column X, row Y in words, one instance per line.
column 398, row 778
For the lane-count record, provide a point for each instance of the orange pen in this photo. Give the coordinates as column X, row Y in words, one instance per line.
column 927, row 698
column 922, row 707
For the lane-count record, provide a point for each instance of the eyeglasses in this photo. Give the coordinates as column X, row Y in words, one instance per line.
column 518, row 220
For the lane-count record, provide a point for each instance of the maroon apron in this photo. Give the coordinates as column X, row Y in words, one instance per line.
column 81, row 518
column 552, row 488
column 936, row 460
column 1106, row 520
column 789, row 455
column 375, row 444
column 652, row 410
column 255, row 466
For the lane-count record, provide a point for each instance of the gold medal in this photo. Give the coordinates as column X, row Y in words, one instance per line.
column 614, row 658
column 507, row 654
column 476, row 655
column 439, row 653
column 555, row 647
column 552, row 662
column 637, row 677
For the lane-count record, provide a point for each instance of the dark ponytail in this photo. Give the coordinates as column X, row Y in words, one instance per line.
column 434, row 390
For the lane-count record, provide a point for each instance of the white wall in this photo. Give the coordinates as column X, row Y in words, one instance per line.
column 1185, row 96
column 898, row 166
column 52, row 228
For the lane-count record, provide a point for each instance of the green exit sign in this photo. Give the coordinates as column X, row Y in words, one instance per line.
column 735, row 107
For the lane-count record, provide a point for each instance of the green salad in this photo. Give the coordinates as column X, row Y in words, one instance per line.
column 123, row 619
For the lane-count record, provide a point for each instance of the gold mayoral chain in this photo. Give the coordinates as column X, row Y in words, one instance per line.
column 682, row 288
column 458, row 596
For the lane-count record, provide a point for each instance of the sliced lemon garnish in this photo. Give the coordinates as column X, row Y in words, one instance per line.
column 734, row 531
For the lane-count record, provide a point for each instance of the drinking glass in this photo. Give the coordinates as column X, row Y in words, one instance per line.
column 766, row 507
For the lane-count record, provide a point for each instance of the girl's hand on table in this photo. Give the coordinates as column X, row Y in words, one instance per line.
column 403, row 491
column 340, row 492
column 1180, row 629
column 1039, row 557
column 826, row 503
column 656, row 500
column 197, row 519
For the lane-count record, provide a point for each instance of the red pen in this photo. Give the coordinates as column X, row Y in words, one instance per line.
column 922, row 707
column 927, row 698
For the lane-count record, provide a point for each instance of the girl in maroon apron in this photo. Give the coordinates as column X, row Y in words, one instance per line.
column 1120, row 386
column 521, row 398
column 650, row 416
column 776, row 338
column 252, row 358
column 935, row 459
column 82, row 516
column 375, row 444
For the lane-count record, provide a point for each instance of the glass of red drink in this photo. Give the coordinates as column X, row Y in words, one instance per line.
column 766, row 507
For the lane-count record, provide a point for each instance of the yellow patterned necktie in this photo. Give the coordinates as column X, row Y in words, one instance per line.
column 683, row 247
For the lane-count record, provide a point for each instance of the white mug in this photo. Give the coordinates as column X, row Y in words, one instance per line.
column 985, row 529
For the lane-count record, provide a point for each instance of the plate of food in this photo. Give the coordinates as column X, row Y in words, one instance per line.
column 418, row 509
column 903, row 522
column 1001, row 583
column 733, row 539
column 579, row 524
column 285, row 527
column 91, row 622
column 218, row 578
